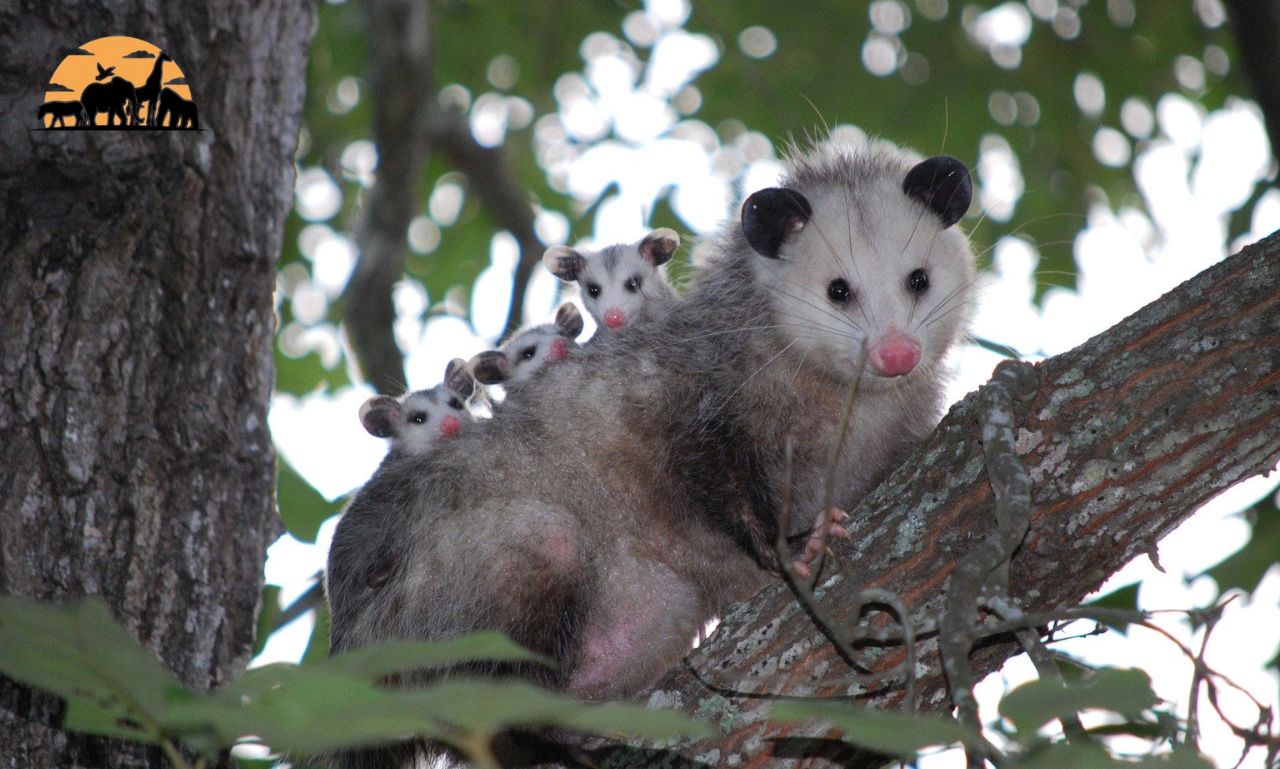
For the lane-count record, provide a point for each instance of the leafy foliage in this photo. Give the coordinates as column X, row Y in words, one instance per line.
column 1028, row 708
column 114, row 687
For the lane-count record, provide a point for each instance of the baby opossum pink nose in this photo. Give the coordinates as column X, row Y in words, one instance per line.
column 895, row 354
column 450, row 426
column 614, row 319
column 558, row 349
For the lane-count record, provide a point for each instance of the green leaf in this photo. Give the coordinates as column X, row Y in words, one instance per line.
column 889, row 732
column 1244, row 569
column 1178, row 759
column 1003, row 350
column 267, row 617
column 380, row 660
column 487, row 706
column 1034, row 704
column 113, row 686
column 302, row 508
column 1124, row 598
column 318, row 646
column 1061, row 755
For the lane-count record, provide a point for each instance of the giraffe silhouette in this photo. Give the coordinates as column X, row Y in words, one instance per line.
column 149, row 92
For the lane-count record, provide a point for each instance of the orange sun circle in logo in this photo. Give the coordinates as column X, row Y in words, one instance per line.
column 118, row 82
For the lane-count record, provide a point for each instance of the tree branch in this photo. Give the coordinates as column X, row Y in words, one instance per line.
column 1257, row 29
column 508, row 202
column 1124, row 438
column 402, row 88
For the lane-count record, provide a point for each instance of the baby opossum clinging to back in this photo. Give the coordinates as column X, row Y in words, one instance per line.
column 416, row 420
column 528, row 351
column 634, row 490
column 621, row 284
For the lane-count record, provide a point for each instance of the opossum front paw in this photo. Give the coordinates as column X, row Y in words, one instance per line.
column 826, row 525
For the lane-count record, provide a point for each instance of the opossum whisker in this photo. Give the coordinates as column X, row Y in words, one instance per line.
column 821, row 307
column 749, row 377
column 948, row 297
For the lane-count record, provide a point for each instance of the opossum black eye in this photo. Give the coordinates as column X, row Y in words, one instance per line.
column 593, row 290
column 633, row 283
column 455, row 404
column 918, row 282
column 838, row 291
column 528, row 352
column 418, row 417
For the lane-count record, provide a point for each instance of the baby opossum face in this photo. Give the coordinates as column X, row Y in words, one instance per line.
column 417, row 420
column 856, row 259
column 621, row 284
column 528, row 351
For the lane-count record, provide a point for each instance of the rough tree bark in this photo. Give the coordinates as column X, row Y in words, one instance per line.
column 1125, row 437
column 136, row 326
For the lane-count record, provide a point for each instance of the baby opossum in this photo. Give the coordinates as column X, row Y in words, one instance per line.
column 621, row 285
column 634, row 490
column 528, row 351
column 416, row 420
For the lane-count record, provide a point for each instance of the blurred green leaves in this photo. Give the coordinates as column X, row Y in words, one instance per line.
column 114, row 687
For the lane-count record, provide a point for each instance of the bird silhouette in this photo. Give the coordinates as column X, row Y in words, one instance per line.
column 104, row 73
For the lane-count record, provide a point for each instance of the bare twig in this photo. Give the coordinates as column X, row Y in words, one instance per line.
column 1011, row 487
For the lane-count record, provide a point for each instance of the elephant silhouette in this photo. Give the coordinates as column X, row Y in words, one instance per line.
column 116, row 97
column 181, row 112
column 60, row 110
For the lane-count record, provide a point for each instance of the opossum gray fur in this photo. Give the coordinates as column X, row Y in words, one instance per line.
column 634, row 490
column 415, row 421
column 527, row 352
column 622, row 285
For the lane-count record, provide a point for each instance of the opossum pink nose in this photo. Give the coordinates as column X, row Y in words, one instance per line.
column 450, row 426
column 558, row 349
column 895, row 354
column 614, row 319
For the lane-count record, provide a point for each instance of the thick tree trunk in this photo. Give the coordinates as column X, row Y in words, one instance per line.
column 136, row 325
column 1126, row 436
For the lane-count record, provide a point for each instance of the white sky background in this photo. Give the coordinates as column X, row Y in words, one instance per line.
column 622, row 122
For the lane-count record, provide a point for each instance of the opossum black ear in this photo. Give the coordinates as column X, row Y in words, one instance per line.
column 771, row 215
column 564, row 262
column 489, row 367
column 942, row 183
column 568, row 321
column 458, row 378
column 381, row 416
column 660, row 245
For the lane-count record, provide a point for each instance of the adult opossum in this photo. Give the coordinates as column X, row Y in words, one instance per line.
column 634, row 490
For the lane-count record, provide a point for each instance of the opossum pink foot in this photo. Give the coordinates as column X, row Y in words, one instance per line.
column 826, row 525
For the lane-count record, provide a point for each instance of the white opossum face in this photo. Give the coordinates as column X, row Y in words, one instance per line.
column 417, row 420
column 867, row 257
column 528, row 351
column 621, row 284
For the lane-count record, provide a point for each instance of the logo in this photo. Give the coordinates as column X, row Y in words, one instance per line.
column 118, row 83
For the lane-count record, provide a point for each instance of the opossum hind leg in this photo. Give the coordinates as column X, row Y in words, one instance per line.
column 519, row 567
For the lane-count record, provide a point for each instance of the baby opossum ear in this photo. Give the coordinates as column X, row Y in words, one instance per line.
column 489, row 367
column 772, row 215
column 381, row 416
column 568, row 320
column 660, row 245
column 942, row 183
column 564, row 262
column 458, row 378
